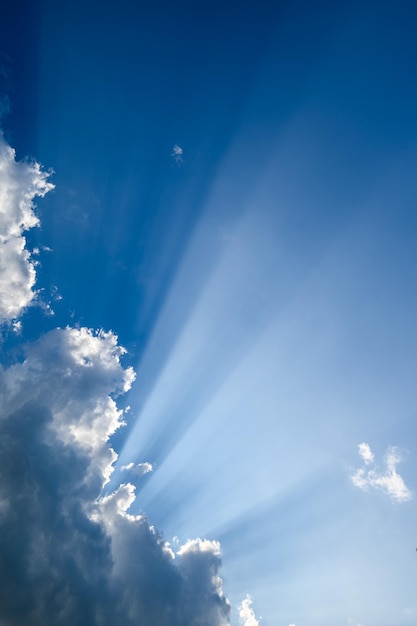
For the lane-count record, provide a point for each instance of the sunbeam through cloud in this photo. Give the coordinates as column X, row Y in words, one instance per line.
column 208, row 305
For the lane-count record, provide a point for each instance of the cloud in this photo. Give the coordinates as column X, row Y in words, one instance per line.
column 55, row 559
column 366, row 453
column 70, row 555
column 387, row 480
column 246, row 613
column 67, row 551
column 177, row 153
column 138, row 470
column 20, row 183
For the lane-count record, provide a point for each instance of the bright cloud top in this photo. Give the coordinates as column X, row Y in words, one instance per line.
column 70, row 555
column 20, row 183
column 247, row 615
column 387, row 480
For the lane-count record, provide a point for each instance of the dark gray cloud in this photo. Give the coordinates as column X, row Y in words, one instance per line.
column 70, row 556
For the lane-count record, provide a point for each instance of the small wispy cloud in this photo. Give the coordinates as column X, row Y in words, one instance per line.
column 386, row 479
column 177, row 153
column 17, row 327
column 247, row 615
column 138, row 470
column 366, row 453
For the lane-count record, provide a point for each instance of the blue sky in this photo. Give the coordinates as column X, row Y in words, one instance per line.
column 234, row 197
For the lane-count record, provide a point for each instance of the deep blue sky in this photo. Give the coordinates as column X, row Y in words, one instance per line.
column 101, row 92
column 264, row 284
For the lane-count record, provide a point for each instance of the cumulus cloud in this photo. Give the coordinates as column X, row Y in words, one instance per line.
column 20, row 183
column 387, row 480
column 246, row 613
column 69, row 555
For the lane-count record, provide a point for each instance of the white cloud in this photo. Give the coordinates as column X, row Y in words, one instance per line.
column 246, row 613
column 20, row 183
column 177, row 153
column 17, row 327
column 78, row 371
column 387, row 480
column 366, row 453
column 138, row 470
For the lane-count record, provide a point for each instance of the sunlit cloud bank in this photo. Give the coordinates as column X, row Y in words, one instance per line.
column 20, row 183
column 69, row 554
column 387, row 480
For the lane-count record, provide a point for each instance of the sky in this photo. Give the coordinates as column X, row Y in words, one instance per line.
column 208, row 253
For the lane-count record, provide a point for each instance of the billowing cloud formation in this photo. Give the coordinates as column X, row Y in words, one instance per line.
column 246, row 613
column 387, row 480
column 20, row 183
column 69, row 556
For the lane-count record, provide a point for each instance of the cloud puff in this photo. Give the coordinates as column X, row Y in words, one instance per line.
column 177, row 153
column 138, row 470
column 246, row 613
column 366, row 453
column 387, row 480
column 70, row 556
column 20, row 183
